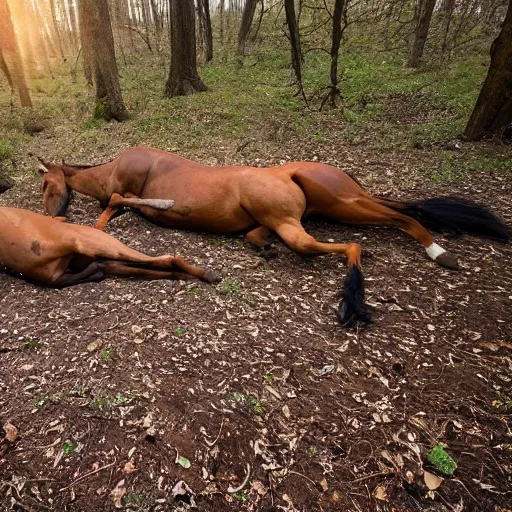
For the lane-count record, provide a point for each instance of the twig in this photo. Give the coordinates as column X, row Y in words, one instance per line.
column 367, row 477
column 291, row 472
column 79, row 479
column 243, row 484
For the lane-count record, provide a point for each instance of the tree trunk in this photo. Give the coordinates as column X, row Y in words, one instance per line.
column 206, row 24
column 337, row 32
column 447, row 13
column 97, row 32
column 221, row 21
column 55, row 28
column 293, row 28
column 183, row 77
column 245, row 26
column 424, row 15
column 11, row 54
column 493, row 110
column 85, row 44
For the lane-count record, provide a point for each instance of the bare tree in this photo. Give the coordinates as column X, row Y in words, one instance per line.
column 493, row 110
column 206, row 25
column 293, row 29
column 183, row 77
column 98, row 38
column 337, row 32
column 245, row 26
column 10, row 55
column 424, row 11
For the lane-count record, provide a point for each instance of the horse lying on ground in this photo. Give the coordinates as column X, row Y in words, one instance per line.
column 52, row 253
column 259, row 201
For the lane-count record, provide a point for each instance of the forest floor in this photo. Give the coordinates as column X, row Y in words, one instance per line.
column 249, row 391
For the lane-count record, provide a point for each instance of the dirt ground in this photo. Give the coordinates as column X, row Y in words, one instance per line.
column 121, row 390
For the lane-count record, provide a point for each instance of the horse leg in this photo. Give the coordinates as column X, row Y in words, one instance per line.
column 93, row 273
column 131, row 201
column 352, row 307
column 103, row 246
column 368, row 211
column 259, row 238
column 115, row 268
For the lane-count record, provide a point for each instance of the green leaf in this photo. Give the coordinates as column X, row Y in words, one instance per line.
column 441, row 460
column 179, row 330
column 183, row 461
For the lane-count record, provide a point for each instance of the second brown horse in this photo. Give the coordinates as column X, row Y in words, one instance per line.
column 259, row 201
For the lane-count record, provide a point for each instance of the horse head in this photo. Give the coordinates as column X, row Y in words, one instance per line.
column 56, row 193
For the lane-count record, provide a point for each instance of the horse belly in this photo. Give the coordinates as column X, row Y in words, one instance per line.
column 213, row 216
column 24, row 249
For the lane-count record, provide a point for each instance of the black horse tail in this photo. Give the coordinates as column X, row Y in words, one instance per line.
column 453, row 215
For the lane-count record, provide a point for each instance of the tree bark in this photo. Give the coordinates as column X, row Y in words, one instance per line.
column 424, row 15
column 206, row 23
column 293, row 28
column 493, row 110
column 11, row 54
column 183, row 76
column 337, row 32
column 245, row 26
column 97, row 33
column 85, row 44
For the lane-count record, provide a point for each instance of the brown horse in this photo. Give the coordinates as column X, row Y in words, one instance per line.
column 50, row 252
column 260, row 201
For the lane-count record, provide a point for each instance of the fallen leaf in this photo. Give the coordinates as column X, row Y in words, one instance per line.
column 286, row 411
column 129, row 467
column 380, row 493
column 94, row 345
column 326, row 370
column 117, row 494
column 183, row 461
column 11, row 432
column 259, row 488
column 432, row 481
column 323, row 485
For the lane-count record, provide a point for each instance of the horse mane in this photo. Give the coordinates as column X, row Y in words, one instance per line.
column 81, row 167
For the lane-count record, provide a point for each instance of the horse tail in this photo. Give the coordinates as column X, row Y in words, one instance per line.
column 454, row 215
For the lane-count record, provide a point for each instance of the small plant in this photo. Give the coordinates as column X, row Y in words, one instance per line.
column 42, row 400
column 33, row 344
column 68, row 448
column 106, row 402
column 179, row 330
column 91, row 124
column 6, row 149
column 106, row 354
column 441, row 460
column 503, row 402
column 195, row 292
column 240, row 496
column 447, row 172
column 80, row 391
column 268, row 377
column 312, row 451
column 230, row 287
column 246, row 399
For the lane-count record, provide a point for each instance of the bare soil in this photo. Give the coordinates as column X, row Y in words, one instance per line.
column 226, row 376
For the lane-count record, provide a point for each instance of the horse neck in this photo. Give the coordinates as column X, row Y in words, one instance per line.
column 91, row 182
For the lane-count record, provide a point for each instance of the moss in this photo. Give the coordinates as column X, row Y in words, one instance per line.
column 441, row 460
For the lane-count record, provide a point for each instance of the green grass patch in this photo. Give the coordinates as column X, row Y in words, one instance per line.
column 6, row 149
column 441, row 460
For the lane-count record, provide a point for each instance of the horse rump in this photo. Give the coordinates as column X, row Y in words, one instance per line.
column 454, row 215
column 352, row 307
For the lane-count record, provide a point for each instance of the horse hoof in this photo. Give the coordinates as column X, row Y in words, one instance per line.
column 211, row 277
column 448, row 260
column 269, row 251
